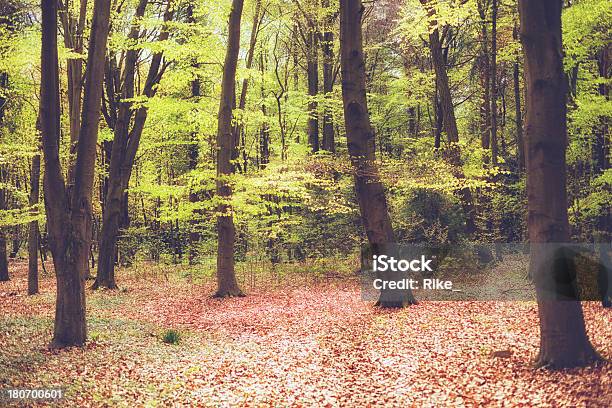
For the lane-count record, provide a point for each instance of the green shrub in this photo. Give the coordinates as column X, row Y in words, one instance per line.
column 171, row 336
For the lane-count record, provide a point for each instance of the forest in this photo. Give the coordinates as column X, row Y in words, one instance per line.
column 192, row 193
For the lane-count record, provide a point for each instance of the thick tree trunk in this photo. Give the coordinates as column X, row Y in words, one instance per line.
column 33, row 231
column 329, row 143
column 69, row 233
column 226, row 276
column 563, row 338
column 360, row 139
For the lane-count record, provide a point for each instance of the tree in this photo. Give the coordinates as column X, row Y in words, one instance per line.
column 33, row 232
column 4, row 273
column 226, row 275
column 448, row 113
column 125, row 145
column 518, row 112
column 312, row 72
column 494, row 89
column 360, row 139
column 328, row 142
column 68, row 211
column 563, row 338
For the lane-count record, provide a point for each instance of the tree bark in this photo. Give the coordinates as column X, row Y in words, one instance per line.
column 601, row 146
column 485, row 80
column 329, row 143
column 193, row 154
column 360, row 138
column 312, row 72
column 226, row 276
column 124, row 148
column 33, row 231
column 448, row 117
column 494, row 144
column 518, row 113
column 239, row 128
column 69, row 231
column 264, row 132
column 116, row 173
column 4, row 273
column 73, row 40
column 563, row 338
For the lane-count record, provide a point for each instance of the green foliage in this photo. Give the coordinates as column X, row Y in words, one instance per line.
column 171, row 336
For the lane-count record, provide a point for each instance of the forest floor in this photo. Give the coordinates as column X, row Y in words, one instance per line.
column 301, row 344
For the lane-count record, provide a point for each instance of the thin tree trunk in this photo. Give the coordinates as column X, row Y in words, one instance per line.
column 193, row 155
column 518, row 115
column 450, row 122
column 264, row 132
column 4, row 273
column 601, row 146
column 239, row 128
column 360, row 139
column 114, row 192
column 494, row 147
column 226, row 276
column 312, row 72
column 73, row 40
column 485, row 79
column 563, row 338
column 33, row 231
column 123, row 155
column 329, row 143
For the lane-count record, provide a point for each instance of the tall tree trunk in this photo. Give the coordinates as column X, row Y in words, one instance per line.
column 360, row 139
column 239, row 128
column 563, row 338
column 123, row 155
column 69, row 231
column 494, row 147
column 518, row 113
column 193, row 155
column 4, row 273
column 448, row 118
column 264, row 132
column 114, row 189
column 485, row 79
column 312, row 72
column 226, row 276
column 33, row 232
column 73, row 39
column 601, row 146
column 329, row 143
